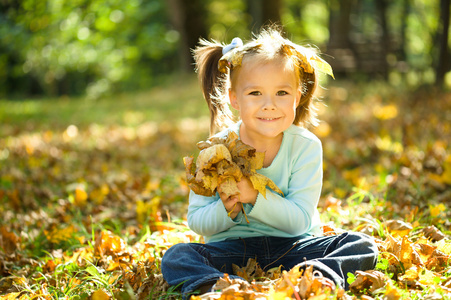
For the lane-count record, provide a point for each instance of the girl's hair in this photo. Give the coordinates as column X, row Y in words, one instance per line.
column 216, row 71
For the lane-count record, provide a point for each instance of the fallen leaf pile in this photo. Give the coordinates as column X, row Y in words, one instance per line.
column 296, row 283
column 222, row 163
column 87, row 212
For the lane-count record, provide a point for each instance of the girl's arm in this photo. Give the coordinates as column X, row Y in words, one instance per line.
column 208, row 216
column 293, row 212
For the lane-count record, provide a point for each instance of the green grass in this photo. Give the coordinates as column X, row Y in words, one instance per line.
column 179, row 98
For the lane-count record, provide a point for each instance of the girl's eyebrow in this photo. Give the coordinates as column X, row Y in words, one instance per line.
column 257, row 87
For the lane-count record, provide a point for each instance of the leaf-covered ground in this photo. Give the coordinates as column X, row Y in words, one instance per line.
column 88, row 208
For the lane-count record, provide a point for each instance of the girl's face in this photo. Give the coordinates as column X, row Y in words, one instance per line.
column 266, row 95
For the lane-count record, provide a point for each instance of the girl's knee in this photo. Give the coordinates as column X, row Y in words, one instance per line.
column 362, row 243
column 176, row 250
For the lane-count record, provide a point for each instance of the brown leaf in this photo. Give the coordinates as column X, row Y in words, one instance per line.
column 438, row 261
column 433, row 233
column 225, row 168
column 371, row 280
column 398, row 227
column 228, row 186
column 408, row 254
column 251, row 271
column 229, row 286
column 9, row 241
column 209, row 179
column 195, row 185
column 212, row 155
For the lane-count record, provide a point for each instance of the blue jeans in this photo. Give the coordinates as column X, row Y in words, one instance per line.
column 193, row 265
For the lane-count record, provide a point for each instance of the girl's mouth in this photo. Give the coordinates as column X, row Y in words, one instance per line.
column 269, row 119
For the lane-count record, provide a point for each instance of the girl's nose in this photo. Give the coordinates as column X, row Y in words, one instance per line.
column 269, row 103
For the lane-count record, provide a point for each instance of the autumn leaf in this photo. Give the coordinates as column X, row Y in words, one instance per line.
column 100, row 295
column 433, row 233
column 222, row 163
column 195, row 185
column 212, row 155
column 260, row 182
column 251, row 271
column 109, row 244
column 371, row 280
column 9, row 241
column 80, row 196
column 398, row 228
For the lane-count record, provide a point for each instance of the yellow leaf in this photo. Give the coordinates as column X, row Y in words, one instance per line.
column 11, row 296
column 109, row 244
column 100, row 295
column 385, row 112
column 436, row 210
column 141, row 211
column 277, row 296
column 225, row 168
column 260, row 182
column 80, row 197
column 427, row 277
column 444, row 246
column 210, row 181
column 398, row 227
column 408, row 254
column 322, row 66
column 256, row 162
column 147, row 209
column 98, row 195
column 212, row 155
column 57, row 235
column 228, row 187
column 411, row 274
column 392, row 293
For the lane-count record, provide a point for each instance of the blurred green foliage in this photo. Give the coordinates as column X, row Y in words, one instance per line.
column 59, row 47
column 96, row 47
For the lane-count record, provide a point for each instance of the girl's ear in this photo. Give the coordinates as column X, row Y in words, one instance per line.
column 298, row 96
column 233, row 100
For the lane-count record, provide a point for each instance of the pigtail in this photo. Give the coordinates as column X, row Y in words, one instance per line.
column 213, row 82
column 306, row 111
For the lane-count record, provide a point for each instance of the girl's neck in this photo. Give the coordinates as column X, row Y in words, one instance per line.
column 270, row 146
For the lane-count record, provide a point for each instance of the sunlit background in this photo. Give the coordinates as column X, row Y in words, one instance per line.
column 95, row 48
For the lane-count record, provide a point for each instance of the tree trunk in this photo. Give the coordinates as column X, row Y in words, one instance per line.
column 339, row 23
column 340, row 46
column 443, row 33
column 381, row 6
column 263, row 12
column 188, row 18
column 403, row 30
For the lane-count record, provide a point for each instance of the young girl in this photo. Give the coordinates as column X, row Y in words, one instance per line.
column 270, row 81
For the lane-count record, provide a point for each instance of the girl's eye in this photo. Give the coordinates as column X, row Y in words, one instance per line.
column 255, row 93
column 282, row 93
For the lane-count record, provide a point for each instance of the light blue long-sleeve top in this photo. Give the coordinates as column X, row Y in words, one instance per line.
column 296, row 170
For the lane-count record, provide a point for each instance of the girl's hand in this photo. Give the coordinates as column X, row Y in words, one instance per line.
column 247, row 192
column 232, row 205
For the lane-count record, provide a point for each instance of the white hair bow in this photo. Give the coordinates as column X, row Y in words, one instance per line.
column 236, row 42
